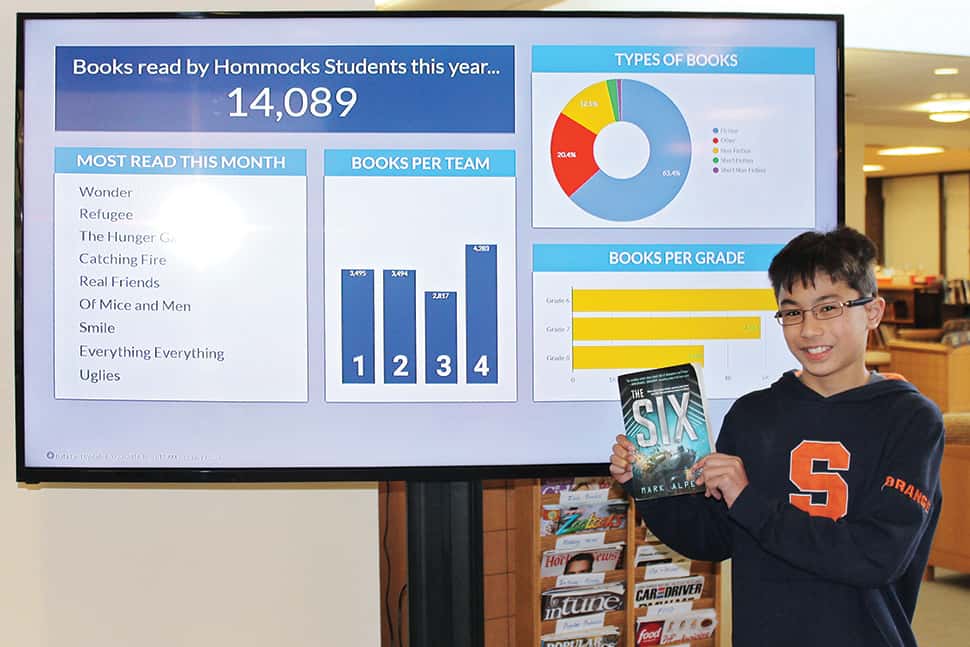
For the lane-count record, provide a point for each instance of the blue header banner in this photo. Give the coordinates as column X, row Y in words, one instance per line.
column 380, row 89
column 652, row 258
column 420, row 163
column 680, row 60
column 180, row 161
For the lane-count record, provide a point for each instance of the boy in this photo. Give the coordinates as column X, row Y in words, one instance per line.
column 825, row 487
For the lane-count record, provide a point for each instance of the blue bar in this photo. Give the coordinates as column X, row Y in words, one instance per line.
column 679, row 60
column 652, row 258
column 481, row 313
column 400, row 327
column 419, row 162
column 357, row 326
column 441, row 337
column 286, row 88
column 180, row 161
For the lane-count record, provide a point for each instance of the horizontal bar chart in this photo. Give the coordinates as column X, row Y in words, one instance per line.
column 663, row 328
column 666, row 300
column 634, row 357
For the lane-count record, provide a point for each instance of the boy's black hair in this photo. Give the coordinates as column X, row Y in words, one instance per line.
column 844, row 254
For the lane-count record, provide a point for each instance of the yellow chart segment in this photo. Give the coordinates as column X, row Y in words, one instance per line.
column 674, row 300
column 634, row 357
column 644, row 328
column 592, row 108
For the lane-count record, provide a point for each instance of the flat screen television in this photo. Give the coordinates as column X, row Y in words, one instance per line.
column 345, row 246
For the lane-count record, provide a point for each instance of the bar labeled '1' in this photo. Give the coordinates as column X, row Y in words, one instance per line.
column 357, row 326
column 400, row 327
column 481, row 314
column 441, row 337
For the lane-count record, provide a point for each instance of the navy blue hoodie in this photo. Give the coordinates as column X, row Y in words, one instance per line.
column 830, row 538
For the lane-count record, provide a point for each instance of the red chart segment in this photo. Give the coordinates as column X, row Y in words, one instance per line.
column 572, row 154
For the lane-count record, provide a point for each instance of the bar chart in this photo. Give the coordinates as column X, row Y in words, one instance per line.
column 593, row 322
column 419, row 286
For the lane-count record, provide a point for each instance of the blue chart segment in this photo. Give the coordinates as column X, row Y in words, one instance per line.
column 357, row 322
column 481, row 308
column 441, row 337
column 578, row 161
column 419, row 275
column 400, row 340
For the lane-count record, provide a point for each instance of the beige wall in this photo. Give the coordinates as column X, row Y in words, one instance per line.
column 912, row 223
column 173, row 566
column 956, row 188
column 855, row 179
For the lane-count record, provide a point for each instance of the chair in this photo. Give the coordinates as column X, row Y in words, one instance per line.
column 878, row 357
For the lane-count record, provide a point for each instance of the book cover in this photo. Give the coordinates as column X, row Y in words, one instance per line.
column 665, row 417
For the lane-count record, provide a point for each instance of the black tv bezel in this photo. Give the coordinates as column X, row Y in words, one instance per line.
column 35, row 475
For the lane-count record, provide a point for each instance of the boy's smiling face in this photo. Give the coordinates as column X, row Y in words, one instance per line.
column 831, row 351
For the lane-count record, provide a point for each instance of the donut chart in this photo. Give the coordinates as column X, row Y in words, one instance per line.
column 580, row 175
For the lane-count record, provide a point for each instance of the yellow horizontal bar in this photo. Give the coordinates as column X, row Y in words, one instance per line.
column 673, row 300
column 635, row 357
column 644, row 328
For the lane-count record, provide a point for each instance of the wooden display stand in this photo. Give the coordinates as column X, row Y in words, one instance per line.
column 529, row 546
column 939, row 371
column 950, row 549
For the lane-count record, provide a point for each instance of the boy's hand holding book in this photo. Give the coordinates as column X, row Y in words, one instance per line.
column 722, row 475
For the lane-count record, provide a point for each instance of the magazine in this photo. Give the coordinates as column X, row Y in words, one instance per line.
column 677, row 589
column 665, row 417
column 582, row 560
column 567, row 602
column 608, row 636
column 566, row 520
column 698, row 624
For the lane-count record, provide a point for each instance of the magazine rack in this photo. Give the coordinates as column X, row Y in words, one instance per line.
column 529, row 546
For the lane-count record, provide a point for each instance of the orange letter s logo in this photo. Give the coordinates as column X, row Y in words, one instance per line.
column 802, row 474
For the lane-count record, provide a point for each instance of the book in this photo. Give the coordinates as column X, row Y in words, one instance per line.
column 665, row 417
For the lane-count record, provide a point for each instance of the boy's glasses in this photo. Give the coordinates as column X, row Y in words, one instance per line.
column 821, row 311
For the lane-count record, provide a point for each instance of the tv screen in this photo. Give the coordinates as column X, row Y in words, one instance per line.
column 364, row 246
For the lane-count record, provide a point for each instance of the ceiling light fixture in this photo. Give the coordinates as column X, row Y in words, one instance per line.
column 946, row 71
column 944, row 105
column 951, row 117
column 872, row 168
column 911, row 150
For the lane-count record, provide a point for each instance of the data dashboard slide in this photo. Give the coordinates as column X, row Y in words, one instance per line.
column 366, row 241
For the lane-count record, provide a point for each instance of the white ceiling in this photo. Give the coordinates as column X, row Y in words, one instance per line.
column 881, row 90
